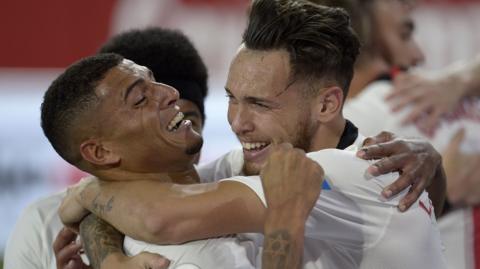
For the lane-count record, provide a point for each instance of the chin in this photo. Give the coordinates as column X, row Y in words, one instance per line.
column 251, row 169
column 195, row 146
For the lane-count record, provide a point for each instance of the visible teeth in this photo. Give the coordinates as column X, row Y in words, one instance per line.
column 251, row 146
column 178, row 118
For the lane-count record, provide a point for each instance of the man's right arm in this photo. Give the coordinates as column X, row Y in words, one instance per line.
column 292, row 184
column 165, row 213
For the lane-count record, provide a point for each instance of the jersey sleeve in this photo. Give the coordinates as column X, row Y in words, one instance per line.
column 228, row 165
column 252, row 182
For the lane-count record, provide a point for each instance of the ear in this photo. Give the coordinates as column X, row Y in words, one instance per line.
column 96, row 153
column 328, row 104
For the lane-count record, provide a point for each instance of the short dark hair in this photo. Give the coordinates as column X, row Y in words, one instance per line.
column 67, row 100
column 170, row 55
column 319, row 39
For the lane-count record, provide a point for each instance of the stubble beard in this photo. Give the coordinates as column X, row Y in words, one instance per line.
column 301, row 140
column 195, row 147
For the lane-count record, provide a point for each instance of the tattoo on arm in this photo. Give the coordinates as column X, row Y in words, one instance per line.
column 280, row 251
column 101, row 208
column 100, row 239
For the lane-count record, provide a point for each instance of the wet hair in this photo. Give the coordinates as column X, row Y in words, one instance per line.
column 320, row 42
column 69, row 98
column 170, row 55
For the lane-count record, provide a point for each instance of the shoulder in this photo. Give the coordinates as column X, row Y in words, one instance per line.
column 373, row 93
column 30, row 243
column 368, row 110
column 228, row 165
column 254, row 183
column 347, row 174
column 48, row 203
column 42, row 211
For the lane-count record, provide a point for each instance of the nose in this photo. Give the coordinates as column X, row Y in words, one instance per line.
column 418, row 57
column 165, row 95
column 240, row 119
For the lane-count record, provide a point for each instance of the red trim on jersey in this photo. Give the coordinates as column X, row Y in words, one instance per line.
column 476, row 236
column 428, row 210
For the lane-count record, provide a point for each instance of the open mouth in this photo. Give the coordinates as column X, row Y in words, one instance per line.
column 255, row 151
column 254, row 146
column 175, row 122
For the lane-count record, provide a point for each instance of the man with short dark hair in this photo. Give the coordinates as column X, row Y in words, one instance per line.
column 30, row 245
column 287, row 83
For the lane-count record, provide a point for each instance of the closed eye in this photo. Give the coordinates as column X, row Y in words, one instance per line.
column 261, row 105
column 139, row 102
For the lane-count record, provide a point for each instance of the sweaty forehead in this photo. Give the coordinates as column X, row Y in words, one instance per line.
column 129, row 66
column 120, row 76
column 259, row 73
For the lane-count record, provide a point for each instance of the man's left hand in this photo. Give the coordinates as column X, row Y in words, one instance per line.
column 418, row 163
column 67, row 250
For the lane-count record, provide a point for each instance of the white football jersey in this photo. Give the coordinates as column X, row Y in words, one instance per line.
column 352, row 226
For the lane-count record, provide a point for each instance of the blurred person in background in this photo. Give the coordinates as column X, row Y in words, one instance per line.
column 449, row 94
column 389, row 50
column 246, row 80
column 386, row 29
column 434, row 96
column 173, row 59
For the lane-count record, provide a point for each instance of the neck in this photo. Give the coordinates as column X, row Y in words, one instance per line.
column 188, row 176
column 365, row 74
column 328, row 134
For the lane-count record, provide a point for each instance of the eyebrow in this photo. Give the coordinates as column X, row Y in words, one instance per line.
column 253, row 99
column 131, row 87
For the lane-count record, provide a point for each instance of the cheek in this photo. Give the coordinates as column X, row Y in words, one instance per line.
column 274, row 125
column 397, row 48
column 231, row 113
column 146, row 127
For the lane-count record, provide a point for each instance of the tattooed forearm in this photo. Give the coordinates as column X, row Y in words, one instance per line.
column 99, row 239
column 100, row 208
column 281, row 251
